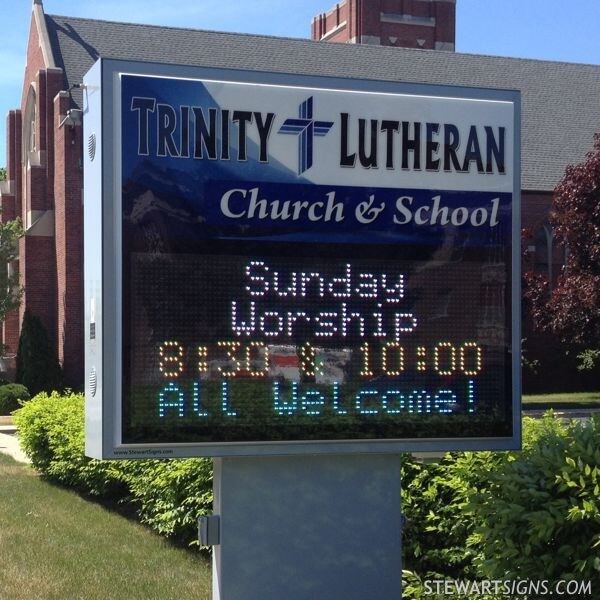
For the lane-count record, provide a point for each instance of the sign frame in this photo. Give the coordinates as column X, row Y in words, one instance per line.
column 103, row 266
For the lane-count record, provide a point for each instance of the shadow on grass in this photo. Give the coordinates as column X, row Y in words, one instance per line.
column 118, row 503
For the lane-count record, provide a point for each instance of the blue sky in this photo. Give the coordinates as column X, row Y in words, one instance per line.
column 541, row 29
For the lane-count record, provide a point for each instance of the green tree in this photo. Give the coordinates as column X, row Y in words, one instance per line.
column 37, row 365
column 10, row 291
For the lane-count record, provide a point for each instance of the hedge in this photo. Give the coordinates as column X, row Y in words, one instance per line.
column 539, row 515
column 532, row 514
column 527, row 515
column 168, row 495
column 11, row 396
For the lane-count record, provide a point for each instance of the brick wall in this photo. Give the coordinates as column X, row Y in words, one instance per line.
column 535, row 207
column 13, row 153
column 48, row 196
column 35, row 59
column 10, row 326
column 68, row 186
column 445, row 25
column 535, row 212
column 38, row 274
column 34, row 192
column 37, row 261
column 428, row 24
column 336, row 20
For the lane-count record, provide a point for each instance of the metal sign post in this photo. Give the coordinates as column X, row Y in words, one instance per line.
column 305, row 527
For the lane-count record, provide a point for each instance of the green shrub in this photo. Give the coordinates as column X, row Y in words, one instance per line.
column 489, row 515
column 533, row 514
column 37, row 364
column 10, row 395
column 171, row 494
column 434, row 497
column 51, row 431
column 168, row 495
column 539, row 516
column 32, row 421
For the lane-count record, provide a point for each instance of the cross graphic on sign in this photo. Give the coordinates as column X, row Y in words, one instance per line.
column 306, row 128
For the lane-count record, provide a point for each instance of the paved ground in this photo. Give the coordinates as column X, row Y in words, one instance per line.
column 9, row 443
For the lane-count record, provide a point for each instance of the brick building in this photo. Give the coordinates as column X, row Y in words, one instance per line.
column 426, row 24
column 560, row 114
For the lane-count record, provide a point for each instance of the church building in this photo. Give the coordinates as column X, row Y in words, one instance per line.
column 392, row 40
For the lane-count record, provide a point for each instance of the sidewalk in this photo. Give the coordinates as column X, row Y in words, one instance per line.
column 9, row 443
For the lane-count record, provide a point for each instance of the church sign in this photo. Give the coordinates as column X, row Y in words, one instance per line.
column 281, row 264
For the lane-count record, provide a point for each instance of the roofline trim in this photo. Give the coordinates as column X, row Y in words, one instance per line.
column 40, row 22
column 526, row 190
column 360, row 48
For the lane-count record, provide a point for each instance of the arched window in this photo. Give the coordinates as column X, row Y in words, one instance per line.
column 29, row 150
column 544, row 252
column 29, row 125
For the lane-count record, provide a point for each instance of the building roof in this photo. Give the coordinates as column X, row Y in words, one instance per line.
column 560, row 107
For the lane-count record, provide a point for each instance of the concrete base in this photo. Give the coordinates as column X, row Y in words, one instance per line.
column 306, row 527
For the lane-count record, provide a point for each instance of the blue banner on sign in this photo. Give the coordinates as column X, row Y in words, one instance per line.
column 318, row 213
column 355, row 215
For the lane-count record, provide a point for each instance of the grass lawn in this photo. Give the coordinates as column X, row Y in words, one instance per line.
column 565, row 400
column 56, row 545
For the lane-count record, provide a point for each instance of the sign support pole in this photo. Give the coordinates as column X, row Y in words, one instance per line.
column 305, row 527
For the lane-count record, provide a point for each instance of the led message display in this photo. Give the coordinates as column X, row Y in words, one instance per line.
column 301, row 263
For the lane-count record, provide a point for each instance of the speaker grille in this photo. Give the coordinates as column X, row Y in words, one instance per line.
column 92, row 146
column 93, row 381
